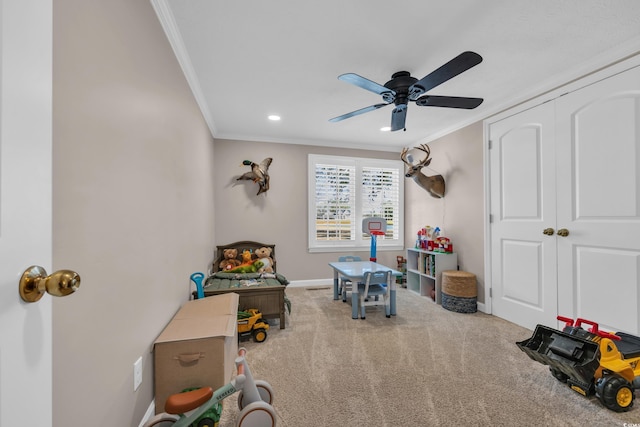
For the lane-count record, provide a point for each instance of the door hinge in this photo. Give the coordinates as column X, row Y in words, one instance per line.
column 490, row 144
column 490, row 292
column 490, row 218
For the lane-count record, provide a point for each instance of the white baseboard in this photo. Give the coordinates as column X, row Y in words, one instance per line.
column 151, row 411
column 482, row 307
column 308, row 283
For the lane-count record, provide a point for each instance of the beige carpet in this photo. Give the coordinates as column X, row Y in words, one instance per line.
column 424, row 367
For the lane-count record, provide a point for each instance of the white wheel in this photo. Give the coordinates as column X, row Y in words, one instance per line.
column 162, row 420
column 257, row 414
column 264, row 390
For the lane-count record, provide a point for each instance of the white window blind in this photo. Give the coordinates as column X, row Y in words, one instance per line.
column 381, row 197
column 343, row 191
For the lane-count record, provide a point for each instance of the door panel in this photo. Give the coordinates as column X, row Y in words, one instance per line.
column 25, row 209
column 598, row 202
column 522, row 165
column 605, row 275
column 520, row 174
column 604, row 144
column 521, row 278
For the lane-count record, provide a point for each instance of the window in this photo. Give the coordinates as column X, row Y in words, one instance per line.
column 343, row 191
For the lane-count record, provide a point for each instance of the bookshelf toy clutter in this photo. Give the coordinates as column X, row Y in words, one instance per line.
column 433, row 239
column 424, row 271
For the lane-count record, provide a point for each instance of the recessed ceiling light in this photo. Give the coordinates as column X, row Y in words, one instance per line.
column 274, row 118
column 385, row 129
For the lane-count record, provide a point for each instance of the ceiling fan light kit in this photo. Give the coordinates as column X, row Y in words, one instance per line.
column 403, row 88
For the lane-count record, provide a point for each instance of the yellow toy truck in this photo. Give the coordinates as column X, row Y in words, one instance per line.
column 251, row 323
column 589, row 361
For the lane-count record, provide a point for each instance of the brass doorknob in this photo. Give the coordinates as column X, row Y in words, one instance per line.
column 548, row 231
column 563, row 232
column 35, row 282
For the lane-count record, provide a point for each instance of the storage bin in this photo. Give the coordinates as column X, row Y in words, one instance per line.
column 459, row 291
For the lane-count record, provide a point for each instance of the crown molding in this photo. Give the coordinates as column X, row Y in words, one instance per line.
column 168, row 23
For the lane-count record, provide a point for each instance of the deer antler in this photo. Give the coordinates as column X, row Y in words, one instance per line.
column 424, row 162
column 433, row 184
column 403, row 156
column 425, row 148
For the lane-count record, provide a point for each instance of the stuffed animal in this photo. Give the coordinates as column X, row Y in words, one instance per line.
column 229, row 262
column 247, row 268
column 247, row 258
column 264, row 254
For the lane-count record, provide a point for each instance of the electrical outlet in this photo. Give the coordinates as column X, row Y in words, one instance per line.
column 137, row 373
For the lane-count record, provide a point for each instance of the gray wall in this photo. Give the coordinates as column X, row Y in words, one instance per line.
column 132, row 203
column 458, row 157
column 142, row 194
column 280, row 215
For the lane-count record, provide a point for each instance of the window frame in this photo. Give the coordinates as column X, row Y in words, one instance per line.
column 359, row 243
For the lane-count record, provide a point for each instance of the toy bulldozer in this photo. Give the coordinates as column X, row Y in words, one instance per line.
column 251, row 323
column 589, row 361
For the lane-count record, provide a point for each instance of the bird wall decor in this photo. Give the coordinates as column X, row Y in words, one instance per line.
column 259, row 174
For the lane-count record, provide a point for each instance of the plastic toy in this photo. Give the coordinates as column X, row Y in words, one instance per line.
column 375, row 227
column 443, row 244
column 589, row 361
column 197, row 279
column 251, row 323
column 254, row 401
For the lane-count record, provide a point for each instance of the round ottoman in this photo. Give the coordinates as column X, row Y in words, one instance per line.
column 459, row 291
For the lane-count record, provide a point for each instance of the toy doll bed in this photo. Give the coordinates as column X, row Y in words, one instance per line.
column 264, row 291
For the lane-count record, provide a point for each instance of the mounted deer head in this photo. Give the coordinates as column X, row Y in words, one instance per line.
column 433, row 184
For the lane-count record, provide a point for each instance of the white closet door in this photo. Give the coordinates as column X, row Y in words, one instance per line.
column 523, row 204
column 598, row 158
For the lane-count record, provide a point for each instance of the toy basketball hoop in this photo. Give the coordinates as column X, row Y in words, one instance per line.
column 374, row 227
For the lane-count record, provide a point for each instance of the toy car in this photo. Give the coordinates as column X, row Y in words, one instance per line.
column 251, row 323
column 590, row 362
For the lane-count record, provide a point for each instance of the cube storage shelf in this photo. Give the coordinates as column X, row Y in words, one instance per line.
column 424, row 271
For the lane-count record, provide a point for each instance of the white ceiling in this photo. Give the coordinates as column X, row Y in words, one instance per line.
column 246, row 59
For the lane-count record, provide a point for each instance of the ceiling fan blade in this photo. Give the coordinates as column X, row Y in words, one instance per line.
column 367, row 84
column 357, row 112
column 457, row 65
column 398, row 117
column 448, row 101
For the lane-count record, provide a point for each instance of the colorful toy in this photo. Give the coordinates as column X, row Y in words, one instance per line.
column 210, row 417
column 251, row 323
column 254, row 401
column 443, row 244
column 375, row 227
column 247, row 257
column 590, row 362
column 230, row 260
column 427, row 239
column 254, row 267
column 248, row 264
column 197, row 279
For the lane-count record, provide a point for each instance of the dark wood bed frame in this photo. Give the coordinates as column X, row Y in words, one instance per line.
column 241, row 246
column 269, row 300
